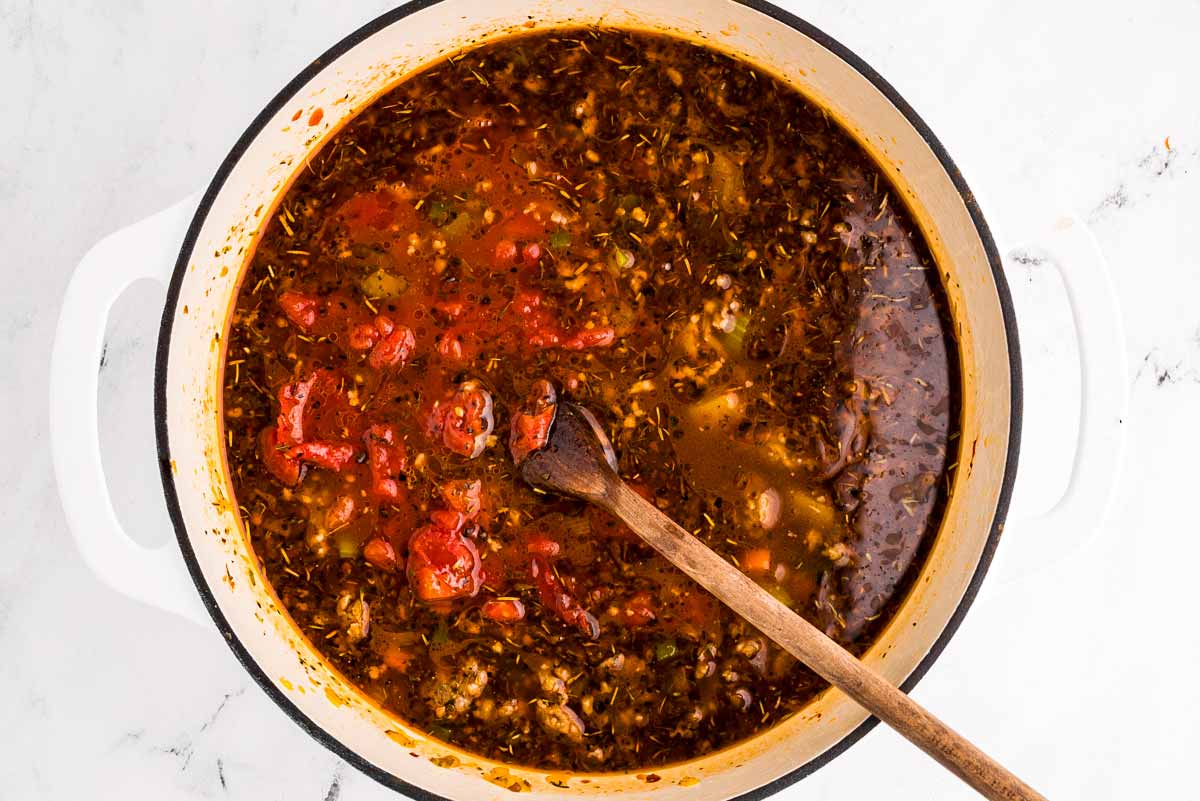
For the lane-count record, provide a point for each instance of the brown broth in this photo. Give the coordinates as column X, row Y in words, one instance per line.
column 680, row 243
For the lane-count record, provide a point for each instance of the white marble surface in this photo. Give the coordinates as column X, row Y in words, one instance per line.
column 1081, row 678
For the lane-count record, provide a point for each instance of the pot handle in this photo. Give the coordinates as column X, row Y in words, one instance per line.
column 156, row 576
column 1032, row 544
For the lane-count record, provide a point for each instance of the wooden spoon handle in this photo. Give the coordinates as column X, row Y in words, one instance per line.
column 808, row 644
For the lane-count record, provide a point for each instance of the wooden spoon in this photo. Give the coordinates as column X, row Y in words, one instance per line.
column 578, row 461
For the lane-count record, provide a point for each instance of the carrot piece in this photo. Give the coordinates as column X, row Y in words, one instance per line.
column 507, row 610
column 756, row 560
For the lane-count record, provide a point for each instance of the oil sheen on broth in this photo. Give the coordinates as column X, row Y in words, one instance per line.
column 676, row 241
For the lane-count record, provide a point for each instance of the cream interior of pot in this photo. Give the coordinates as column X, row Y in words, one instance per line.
column 343, row 86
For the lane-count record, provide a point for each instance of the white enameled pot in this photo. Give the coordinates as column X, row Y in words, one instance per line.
column 217, row 579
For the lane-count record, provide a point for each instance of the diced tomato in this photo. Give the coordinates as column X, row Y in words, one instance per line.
column 293, row 398
column 756, row 560
column 599, row 337
column 531, row 254
column 505, row 255
column 371, row 216
column 380, row 553
column 340, row 512
column 542, row 546
column 301, row 308
column 450, row 346
column 305, row 407
column 529, row 320
column 542, row 329
column 637, row 611
column 508, row 610
column 388, row 458
column 463, row 496
column 277, row 459
column 362, row 336
column 330, row 455
column 394, row 349
column 530, row 430
column 348, row 323
column 336, row 315
column 448, row 519
column 442, row 565
column 555, row 597
column 529, row 433
column 291, row 438
column 466, row 420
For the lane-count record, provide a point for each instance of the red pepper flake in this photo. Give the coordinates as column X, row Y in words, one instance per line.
column 296, row 116
column 316, row 117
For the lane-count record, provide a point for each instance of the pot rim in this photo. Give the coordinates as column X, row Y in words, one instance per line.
column 244, row 657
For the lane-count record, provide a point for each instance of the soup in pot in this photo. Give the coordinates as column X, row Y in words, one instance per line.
column 658, row 232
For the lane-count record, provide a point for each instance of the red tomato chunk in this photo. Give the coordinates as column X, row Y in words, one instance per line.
column 555, row 597
column 380, row 553
column 466, row 420
column 330, row 455
column 301, row 308
column 388, row 458
column 394, row 349
column 275, row 455
column 531, row 424
column 442, row 565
